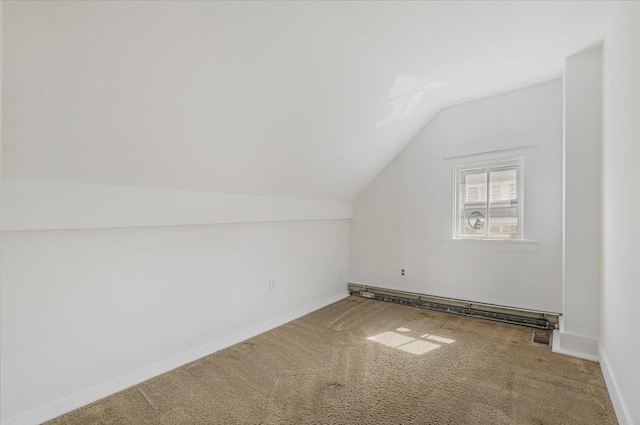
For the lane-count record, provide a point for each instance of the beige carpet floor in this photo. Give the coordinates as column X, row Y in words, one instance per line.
column 361, row 361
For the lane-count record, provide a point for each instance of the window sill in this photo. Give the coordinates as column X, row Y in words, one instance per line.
column 511, row 245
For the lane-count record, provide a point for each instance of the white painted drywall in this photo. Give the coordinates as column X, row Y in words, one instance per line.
column 105, row 286
column 31, row 205
column 82, row 308
column 402, row 220
column 620, row 320
column 281, row 99
column 582, row 201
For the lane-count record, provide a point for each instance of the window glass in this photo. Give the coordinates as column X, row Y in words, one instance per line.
column 476, row 187
column 504, row 221
column 488, row 200
column 505, row 181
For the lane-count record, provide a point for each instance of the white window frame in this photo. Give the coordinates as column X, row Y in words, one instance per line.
column 487, row 166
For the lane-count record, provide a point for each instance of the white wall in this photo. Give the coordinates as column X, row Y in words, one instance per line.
column 400, row 221
column 256, row 98
column 32, row 205
column 620, row 321
column 580, row 325
column 85, row 308
column 105, row 286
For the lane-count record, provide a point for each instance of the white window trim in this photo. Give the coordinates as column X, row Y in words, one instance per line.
column 503, row 149
column 501, row 245
column 488, row 165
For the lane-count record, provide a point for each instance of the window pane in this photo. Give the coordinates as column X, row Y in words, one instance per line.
column 503, row 185
column 488, row 199
column 512, row 191
column 475, row 187
column 496, row 191
column 503, row 221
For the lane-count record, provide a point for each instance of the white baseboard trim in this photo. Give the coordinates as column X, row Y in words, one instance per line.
column 579, row 346
column 74, row 401
column 619, row 405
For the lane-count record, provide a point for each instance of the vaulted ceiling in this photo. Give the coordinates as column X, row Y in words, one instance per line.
column 287, row 99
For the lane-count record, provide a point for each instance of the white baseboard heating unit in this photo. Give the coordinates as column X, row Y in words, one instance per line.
column 516, row 316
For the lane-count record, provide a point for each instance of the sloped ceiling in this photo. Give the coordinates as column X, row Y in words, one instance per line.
column 303, row 100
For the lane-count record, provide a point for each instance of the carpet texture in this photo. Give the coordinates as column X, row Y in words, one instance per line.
column 361, row 361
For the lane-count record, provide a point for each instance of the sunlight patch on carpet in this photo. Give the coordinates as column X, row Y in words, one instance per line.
column 391, row 339
column 406, row 343
column 418, row 347
column 438, row 338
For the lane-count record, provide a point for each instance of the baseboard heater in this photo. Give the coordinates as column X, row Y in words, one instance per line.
column 530, row 318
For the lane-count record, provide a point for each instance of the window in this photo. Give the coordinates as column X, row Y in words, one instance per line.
column 496, row 191
column 497, row 213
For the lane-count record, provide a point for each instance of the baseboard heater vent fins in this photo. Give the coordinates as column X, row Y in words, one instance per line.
column 533, row 319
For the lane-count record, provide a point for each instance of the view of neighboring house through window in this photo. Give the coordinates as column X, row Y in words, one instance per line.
column 489, row 199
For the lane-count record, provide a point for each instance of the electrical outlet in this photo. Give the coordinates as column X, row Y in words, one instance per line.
column 272, row 285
